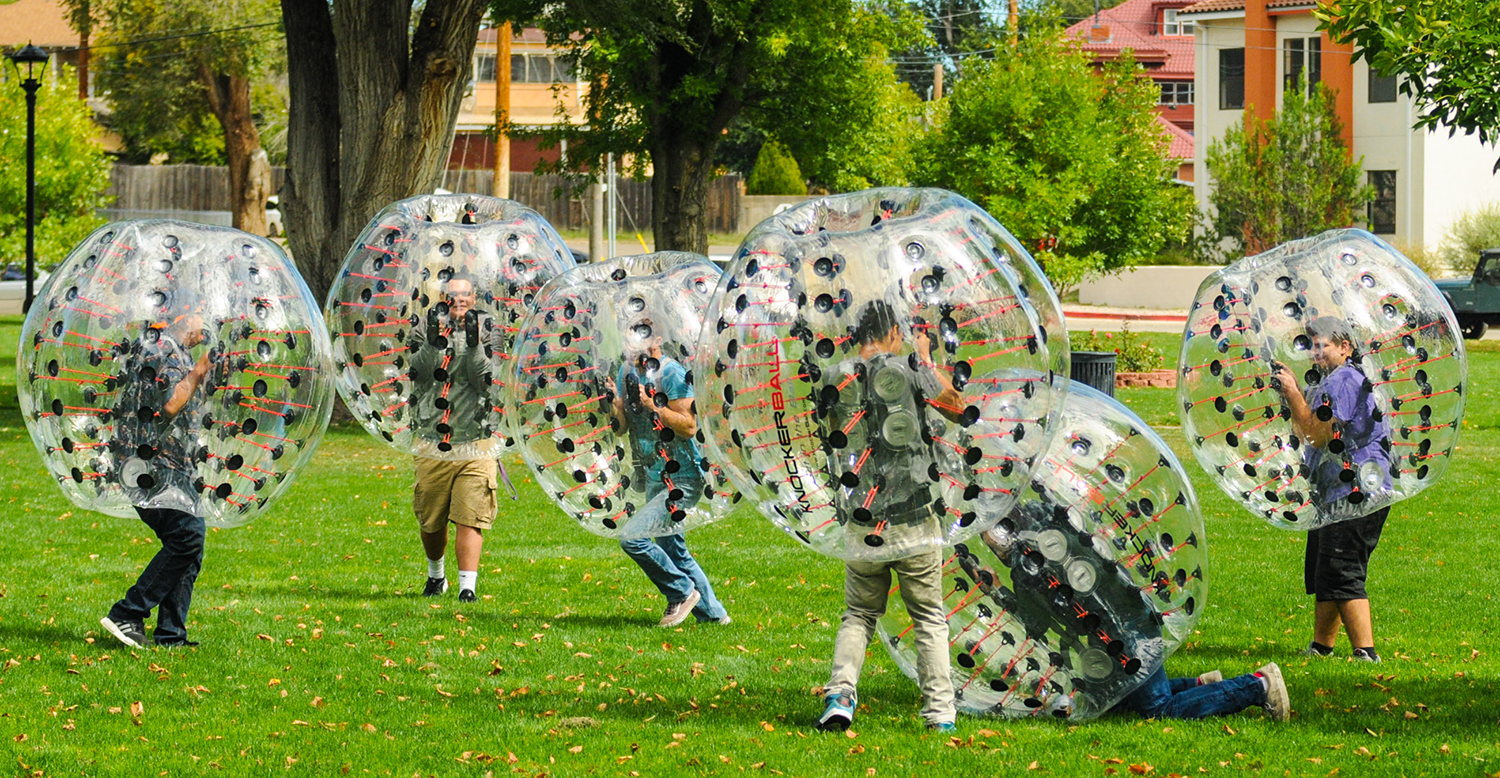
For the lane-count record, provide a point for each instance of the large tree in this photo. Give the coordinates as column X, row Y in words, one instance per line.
column 1072, row 161
column 177, row 70
column 1445, row 49
column 667, row 79
column 1286, row 177
column 375, row 90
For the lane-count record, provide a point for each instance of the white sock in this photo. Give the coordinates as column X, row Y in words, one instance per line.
column 1265, row 685
column 467, row 579
column 435, row 568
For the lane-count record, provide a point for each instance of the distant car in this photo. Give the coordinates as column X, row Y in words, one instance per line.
column 1475, row 300
column 579, row 257
column 13, row 272
column 275, row 227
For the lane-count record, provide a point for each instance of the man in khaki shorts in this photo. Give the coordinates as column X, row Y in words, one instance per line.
column 452, row 366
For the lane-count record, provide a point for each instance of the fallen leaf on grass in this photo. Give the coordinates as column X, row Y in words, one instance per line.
column 1142, row 769
column 1034, row 766
column 137, row 709
column 576, row 750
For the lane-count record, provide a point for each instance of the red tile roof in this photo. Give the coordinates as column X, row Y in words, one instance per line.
column 1182, row 140
column 43, row 22
column 1134, row 25
column 1207, row 6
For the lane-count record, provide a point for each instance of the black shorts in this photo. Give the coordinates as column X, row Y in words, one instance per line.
column 1338, row 557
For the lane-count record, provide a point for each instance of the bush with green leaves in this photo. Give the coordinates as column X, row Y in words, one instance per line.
column 72, row 170
column 1469, row 234
column 1133, row 354
column 1284, row 178
column 776, row 172
column 1066, row 157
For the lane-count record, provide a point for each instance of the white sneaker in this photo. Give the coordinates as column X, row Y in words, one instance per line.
column 678, row 613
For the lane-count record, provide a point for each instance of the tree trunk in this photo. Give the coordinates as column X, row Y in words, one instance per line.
column 683, row 166
column 249, row 171
column 371, row 125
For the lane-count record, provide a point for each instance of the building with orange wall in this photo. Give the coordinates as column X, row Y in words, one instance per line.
column 1249, row 52
column 541, row 79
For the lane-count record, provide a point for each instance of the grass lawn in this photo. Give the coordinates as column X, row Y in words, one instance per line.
column 319, row 656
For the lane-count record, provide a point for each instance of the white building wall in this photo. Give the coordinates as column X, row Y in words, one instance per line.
column 1458, row 177
column 1209, row 121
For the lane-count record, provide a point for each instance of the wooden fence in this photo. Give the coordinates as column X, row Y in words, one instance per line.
column 163, row 188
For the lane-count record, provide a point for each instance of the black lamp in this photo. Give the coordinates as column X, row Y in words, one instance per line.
column 34, row 60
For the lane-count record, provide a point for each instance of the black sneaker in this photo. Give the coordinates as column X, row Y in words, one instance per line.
column 467, row 595
column 435, row 586
column 1365, row 655
column 178, row 644
column 131, row 633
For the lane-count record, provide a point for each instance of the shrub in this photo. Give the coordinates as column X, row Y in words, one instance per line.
column 776, row 172
column 1469, row 234
column 1131, row 354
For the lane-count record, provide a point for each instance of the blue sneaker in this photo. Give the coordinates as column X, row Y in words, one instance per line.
column 838, row 712
column 941, row 726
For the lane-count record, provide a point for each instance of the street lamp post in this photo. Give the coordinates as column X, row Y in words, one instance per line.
column 34, row 60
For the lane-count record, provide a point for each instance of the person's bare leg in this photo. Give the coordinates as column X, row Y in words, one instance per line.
column 435, row 543
column 1326, row 616
column 468, row 546
column 1357, row 624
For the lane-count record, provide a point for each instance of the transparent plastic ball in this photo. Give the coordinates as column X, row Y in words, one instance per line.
column 173, row 365
column 424, row 314
column 602, row 397
column 1322, row 380
column 1097, row 576
column 876, row 371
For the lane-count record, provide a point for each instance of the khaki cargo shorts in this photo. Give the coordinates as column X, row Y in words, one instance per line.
column 462, row 492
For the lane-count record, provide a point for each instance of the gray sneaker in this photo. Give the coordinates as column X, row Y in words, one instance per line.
column 678, row 612
column 1212, row 676
column 131, row 633
column 1278, row 703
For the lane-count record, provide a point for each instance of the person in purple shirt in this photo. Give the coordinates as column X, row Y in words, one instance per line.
column 1348, row 461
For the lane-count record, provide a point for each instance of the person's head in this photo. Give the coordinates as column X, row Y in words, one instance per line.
column 646, row 338
column 182, row 318
column 458, row 292
column 876, row 328
column 1332, row 342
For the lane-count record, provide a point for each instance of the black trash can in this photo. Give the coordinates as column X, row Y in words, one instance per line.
column 1095, row 368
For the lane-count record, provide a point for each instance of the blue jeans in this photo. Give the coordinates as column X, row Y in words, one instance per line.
column 1183, row 698
column 167, row 582
column 668, row 563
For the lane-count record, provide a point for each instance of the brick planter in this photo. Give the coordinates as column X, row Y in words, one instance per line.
column 1155, row 379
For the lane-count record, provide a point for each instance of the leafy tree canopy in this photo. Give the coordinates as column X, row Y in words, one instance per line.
column 72, row 170
column 1284, row 178
column 1072, row 161
column 1444, row 48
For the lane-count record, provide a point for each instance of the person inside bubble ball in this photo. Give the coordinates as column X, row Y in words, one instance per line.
column 1347, row 458
column 867, row 585
column 452, row 366
column 655, row 401
column 155, row 413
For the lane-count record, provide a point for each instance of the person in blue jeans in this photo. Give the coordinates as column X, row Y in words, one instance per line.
column 655, row 400
column 1209, row 694
column 156, row 412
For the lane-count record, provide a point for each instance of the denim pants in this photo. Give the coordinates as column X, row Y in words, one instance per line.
column 668, row 563
column 167, row 582
column 867, row 585
column 1183, row 698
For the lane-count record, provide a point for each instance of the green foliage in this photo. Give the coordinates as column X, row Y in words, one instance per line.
column 1284, row 178
column 1444, row 48
column 72, row 170
column 152, row 73
column 1133, row 353
column 815, row 74
column 776, row 172
column 1055, row 150
column 1469, row 234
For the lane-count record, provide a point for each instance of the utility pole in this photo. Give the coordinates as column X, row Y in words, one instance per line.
column 1013, row 21
column 502, row 111
column 937, row 81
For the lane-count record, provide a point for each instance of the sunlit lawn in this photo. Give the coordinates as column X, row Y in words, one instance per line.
column 319, row 656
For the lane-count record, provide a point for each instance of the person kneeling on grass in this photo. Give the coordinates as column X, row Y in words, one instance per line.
column 1210, row 694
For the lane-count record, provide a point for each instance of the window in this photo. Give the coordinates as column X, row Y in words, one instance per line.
column 540, row 69
column 1176, row 92
column 1231, row 78
column 1302, row 58
column 1170, row 25
column 1382, row 88
column 484, row 68
column 1382, row 209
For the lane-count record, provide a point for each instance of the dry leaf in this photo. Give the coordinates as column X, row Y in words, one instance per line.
column 1034, row 766
column 1142, row 769
column 1445, row 749
column 576, row 750
column 137, row 709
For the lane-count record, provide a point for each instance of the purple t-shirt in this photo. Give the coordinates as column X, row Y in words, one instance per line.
column 1361, row 430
